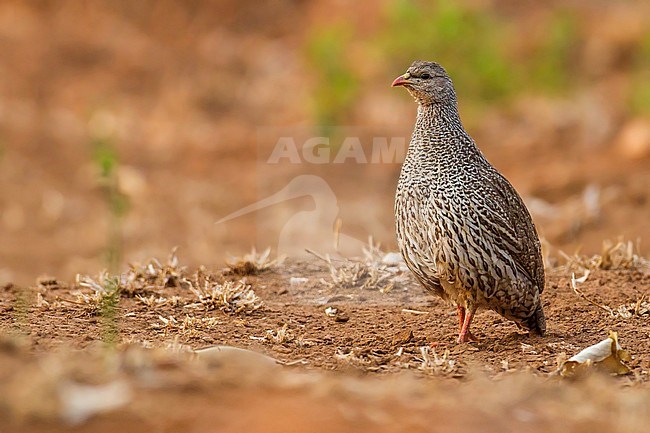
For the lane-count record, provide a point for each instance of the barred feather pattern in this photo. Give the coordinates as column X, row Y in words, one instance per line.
column 462, row 228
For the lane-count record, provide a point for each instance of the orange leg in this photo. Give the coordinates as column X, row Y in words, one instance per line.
column 465, row 318
column 461, row 317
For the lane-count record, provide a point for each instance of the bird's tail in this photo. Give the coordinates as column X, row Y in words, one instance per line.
column 537, row 322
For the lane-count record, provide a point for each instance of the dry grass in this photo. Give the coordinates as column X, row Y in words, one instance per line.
column 575, row 282
column 281, row 336
column 253, row 263
column 428, row 361
column 359, row 275
column 361, row 358
column 614, row 256
column 138, row 281
column 142, row 281
column 369, row 273
column 432, row 363
column 640, row 308
column 146, row 277
column 154, row 301
column 620, row 255
column 105, row 292
column 189, row 326
column 227, row 296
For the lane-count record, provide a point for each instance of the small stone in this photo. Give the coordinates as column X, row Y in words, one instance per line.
column 341, row 317
column 633, row 141
column 403, row 337
column 298, row 281
column 392, row 259
column 337, row 314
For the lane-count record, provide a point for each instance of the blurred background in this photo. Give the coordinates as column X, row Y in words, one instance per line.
column 129, row 127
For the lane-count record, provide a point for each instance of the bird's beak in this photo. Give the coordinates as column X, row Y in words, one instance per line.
column 402, row 80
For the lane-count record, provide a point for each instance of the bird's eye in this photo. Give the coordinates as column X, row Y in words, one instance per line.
column 425, row 76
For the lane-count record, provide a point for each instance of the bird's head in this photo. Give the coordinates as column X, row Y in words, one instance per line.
column 428, row 83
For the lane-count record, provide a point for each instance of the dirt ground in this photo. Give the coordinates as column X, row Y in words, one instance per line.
column 191, row 97
column 351, row 358
column 188, row 112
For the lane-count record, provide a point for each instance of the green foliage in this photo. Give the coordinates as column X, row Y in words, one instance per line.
column 24, row 300
column 104, row 156
column 490, row 57
column 108, row 310
column 549, row 69
column 640, row 95
column 336, row 84
column 106, row 160
column 469, row 43
column 639, row 99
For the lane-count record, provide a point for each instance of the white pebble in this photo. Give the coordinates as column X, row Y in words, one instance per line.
column 297, row 281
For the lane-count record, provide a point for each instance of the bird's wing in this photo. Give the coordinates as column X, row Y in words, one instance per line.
column 505, row 220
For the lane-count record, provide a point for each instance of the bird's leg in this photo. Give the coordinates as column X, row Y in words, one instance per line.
column 465, row 334
column 461, row 317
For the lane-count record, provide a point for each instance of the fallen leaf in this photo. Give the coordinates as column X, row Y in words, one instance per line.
column 607, row 355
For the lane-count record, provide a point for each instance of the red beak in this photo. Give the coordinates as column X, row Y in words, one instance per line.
column 400, row 81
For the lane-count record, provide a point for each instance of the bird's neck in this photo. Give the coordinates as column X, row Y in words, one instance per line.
column 439, row 139
column 438, row 121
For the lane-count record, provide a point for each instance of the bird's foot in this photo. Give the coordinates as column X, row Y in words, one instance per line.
column 467, row 337
column 465, row 316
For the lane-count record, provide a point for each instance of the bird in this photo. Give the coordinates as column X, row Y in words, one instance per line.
column 462, row 228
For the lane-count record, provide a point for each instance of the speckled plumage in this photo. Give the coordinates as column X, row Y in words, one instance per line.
column 461, row 227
